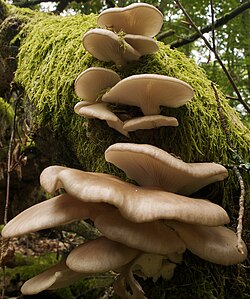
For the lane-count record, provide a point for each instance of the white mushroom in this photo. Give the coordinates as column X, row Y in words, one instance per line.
column 93, row 81
column 152, row 167
column 149, row 92
column 137, row 18
column 142, row 44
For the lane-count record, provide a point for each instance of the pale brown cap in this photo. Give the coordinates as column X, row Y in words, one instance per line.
column 143, row 44
column 214, row 244
column 149, row 92
column 153, row 167
column 137, row 18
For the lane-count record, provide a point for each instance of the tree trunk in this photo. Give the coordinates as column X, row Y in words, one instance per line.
column 50, row 58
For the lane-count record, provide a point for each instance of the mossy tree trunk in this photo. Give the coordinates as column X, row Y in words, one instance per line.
column 51, row 56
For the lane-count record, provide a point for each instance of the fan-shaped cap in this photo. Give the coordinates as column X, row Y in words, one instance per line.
column 58, row 276
column 137, row 18
column 100, row 111
column 142, row 44
column 53, row 212
column 135, row 203
column 149, row 92
column 93, row 81
column 149, row 122
column 100, row 255
column 105, row 45
column 153, row 167
column 153, row 237
column 214, row 244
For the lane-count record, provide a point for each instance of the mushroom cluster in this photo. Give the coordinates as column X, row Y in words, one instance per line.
column 126, row 33
column 145, row 229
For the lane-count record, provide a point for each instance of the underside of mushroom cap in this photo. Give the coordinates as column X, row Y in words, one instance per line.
column 153, row 167
column 137, row 18
column 149, row 122
column 135, row 203
column 142, row 44
column 100, row 255
column 58, row 276
column 93, row 81
column 214, row 244
column 149, row 92
column 152, row 237
column 105, row 45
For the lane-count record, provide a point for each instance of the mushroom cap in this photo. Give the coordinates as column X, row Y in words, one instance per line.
column 100, row 255
column 149, row 92
column 135, row 203
column 151, row 166
column 91, row 82
column 149, row 122
column 214, row 244
column 96, row 110
column 143, row 44
column 58, row 276
column 53, row 212
column 153, row 237
column 105, row 45
column 137, row 18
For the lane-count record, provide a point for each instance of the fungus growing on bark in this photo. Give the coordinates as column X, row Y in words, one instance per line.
column 58, row 276
column 93, row 81
column 214, row 244
column 135, row 203
column 152, row 167
column 149, row 92
column 137, row 18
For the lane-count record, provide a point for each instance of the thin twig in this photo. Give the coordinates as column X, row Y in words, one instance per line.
column 246, row 106
column 213, row 25
column 237, row 173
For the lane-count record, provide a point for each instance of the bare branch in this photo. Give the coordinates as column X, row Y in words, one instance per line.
column 219, row 22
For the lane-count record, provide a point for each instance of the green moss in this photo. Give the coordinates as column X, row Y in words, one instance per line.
column 50, row 59
column 4, row 10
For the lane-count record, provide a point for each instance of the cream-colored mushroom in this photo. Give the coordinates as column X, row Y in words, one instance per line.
column 214, row 244
column 100, row 111
column 92, row 82
column 105, row 45
column 149, row 92
column 58, row 276
column 142, row 44
column 152, row 167
column 137, row 18
column 135, row 203
column 149, row 122
column 100, row 255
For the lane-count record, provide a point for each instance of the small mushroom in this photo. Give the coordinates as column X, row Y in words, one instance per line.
column 137, row 18
column 149, row 122
column 93, row 81
column 149, row 92
column 152, row 237
column 100, row 255
column 142, row 44
column 105, row 45
column 58, row 276
column 152, row 167
column 100, row 111
column 215, row 244
column 135, row 203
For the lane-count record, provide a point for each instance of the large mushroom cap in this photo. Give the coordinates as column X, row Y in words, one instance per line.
column 105, row 45
column 100, row 255
column 153, row 237
column 153, row 167
column 58, row 276
column 91, row 82
column 137, row 18
column 149, row 92
column 135, row 203
column 214, row 244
